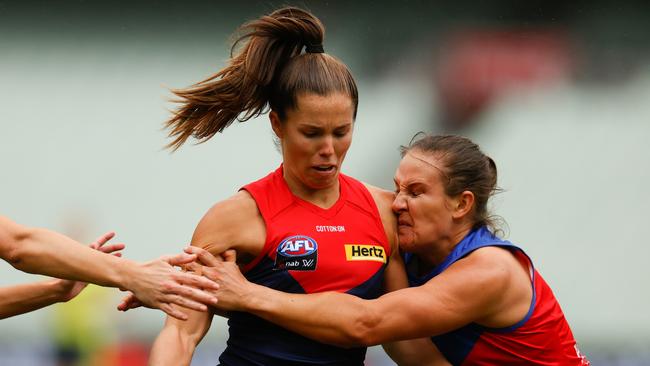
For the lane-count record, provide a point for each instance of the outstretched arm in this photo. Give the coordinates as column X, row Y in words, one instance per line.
column 155, row 283
column 21, row 299
column 471, row 290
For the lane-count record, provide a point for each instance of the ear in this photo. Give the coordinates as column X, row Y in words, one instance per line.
column 276, row 124
column 464, row 204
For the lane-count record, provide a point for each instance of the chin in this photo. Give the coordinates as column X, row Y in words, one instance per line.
column 405, row 244
column 323, row 183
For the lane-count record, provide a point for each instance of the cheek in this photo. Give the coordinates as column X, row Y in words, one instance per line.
column 426, row 217
column 343, row 145
column 298, row 149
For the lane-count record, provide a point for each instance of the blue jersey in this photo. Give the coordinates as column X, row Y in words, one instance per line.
column 542, row 337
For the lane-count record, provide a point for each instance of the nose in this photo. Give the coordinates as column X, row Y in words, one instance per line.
column 327, row 147
column 399, row 203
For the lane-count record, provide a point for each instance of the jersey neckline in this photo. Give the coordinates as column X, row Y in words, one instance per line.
column 326, row 213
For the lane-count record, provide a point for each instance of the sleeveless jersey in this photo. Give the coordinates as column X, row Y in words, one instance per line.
column 309, row 249
column 542, row 337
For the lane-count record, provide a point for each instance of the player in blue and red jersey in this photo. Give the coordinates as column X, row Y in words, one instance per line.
column 306, row 227
column 478, row 297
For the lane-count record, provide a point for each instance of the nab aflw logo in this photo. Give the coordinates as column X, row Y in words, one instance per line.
column 297, row 253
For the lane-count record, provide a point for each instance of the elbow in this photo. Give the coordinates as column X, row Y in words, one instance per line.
column 16, row 252
column 362, row 331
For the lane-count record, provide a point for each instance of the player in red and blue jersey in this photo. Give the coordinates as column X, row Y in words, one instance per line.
column 305, row 228
column 309, row 249
column 477, row 297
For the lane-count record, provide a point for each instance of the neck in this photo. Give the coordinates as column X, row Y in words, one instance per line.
column 437, row 253
column 321, row 197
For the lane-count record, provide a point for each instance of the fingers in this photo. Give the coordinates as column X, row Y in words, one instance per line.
column 193, row 280
column 188, row 303
column 110, row 248
column 102, row 240
column 203, row 256
column 179, row 259
column 173, row 312
column 129, row 302
column 193, row 267
column 229, row 255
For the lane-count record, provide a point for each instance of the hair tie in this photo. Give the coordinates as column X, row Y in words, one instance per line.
column 314, row 48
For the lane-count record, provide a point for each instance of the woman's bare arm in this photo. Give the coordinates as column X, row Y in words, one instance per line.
column 156, row 283
column 24, row 298
column 471, row 290
column 231, row 224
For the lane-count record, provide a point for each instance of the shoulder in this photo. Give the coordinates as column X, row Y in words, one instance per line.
column 234, row 223
column 241, row 202
column 486, row 274
column 383, row 198
column 494, row 264
column 474, row 286
column 384, row 201
column 231, row 210
column 505, row 284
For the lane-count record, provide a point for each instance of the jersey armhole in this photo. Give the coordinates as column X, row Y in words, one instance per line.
column 250, row 265
column 524, row 260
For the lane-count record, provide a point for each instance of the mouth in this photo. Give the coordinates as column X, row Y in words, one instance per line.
column 326, row 168
column 403, row 222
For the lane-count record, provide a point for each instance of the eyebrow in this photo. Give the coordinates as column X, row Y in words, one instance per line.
column 317, row 125
column 409, row 185
column 433, row 166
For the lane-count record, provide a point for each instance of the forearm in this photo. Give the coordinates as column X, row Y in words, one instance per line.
column 177, row 340
column 42, row 251
column 334, row 318
column 415, row 352
column 21, row 299
column 171, row 348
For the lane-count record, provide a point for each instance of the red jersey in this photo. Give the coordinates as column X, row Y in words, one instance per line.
column 542, row 337
column 309, row 249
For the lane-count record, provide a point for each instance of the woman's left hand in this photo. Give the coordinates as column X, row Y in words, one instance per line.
column 234, row 288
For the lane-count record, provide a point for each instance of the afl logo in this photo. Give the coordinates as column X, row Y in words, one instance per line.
column 298, row 245
column 297, row 253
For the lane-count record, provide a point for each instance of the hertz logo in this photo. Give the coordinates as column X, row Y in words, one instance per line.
column 360, row 252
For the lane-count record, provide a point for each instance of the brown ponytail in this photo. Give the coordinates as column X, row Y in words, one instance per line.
column 268, row 70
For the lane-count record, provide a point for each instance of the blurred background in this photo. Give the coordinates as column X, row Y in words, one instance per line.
column 557, row 93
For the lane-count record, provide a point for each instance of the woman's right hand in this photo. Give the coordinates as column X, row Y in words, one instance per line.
column 157, row 284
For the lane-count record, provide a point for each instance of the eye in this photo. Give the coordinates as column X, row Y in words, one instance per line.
column 310, row 134
column 341, row 132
